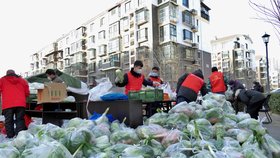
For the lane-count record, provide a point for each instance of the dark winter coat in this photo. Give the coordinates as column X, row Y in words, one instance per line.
column 187, row 92
column 250, row 97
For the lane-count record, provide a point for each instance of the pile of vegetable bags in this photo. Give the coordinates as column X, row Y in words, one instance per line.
column 188, row 130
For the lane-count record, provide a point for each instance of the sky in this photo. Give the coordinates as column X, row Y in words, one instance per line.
column 29, row 25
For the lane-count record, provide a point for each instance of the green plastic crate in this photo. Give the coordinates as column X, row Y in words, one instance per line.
column 133, row 95
column 152, row 95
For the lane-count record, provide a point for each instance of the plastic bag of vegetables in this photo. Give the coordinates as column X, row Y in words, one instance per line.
column 242, row 116
column 135, row 151
column 79, row 137
column 177, row 120
column 24, row 140
column 202, row 126
column 172, row 137
column 101, row 129
column 125, row 136
column 47, row 150
column 271, row 146
column 102, row 142
column 7, row 150
column 158, row 118
column 214, row 115
column 78, row 123
column 184, row 107
column 151, row 131
column 183, row 146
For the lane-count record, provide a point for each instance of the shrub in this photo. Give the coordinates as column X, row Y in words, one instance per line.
column 274, row 103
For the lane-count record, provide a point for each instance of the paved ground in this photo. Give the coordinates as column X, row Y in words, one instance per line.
column 274, row 127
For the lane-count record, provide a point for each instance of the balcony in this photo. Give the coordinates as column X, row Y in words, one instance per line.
column 161, row 2
column 110, row 65
column 79, row 72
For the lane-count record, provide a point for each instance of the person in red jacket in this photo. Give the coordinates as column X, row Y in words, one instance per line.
column 133, row 80
column 14, row 91
column 217, row 82
column 189, row 85
column 154, row 75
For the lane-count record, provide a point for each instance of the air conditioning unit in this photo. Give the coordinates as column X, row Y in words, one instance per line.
column 195, row 45
column 194, row 28
column 194, row 12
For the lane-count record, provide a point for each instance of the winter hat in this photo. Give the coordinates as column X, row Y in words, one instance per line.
column 10, row 72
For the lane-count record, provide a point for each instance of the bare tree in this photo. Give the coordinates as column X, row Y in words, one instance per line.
column 269, row 14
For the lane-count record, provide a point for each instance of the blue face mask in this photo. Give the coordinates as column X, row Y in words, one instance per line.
column 153, row 74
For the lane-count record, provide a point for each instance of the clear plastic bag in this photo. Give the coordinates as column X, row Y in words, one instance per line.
column 103, row 87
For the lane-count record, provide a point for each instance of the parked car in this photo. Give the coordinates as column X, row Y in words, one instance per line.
column 275, row 91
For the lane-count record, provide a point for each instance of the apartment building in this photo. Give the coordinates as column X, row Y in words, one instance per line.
column 235, row 57
column 164, row 33
column 262, row 72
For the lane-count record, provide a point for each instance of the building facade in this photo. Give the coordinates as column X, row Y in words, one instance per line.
column 164, row 33
column 273, row 72
column 235, row 57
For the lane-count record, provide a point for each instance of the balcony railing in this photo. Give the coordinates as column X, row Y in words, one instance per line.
column 110, row 65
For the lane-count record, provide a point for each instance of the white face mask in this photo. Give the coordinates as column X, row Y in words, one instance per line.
column 49, row 78
column 139, row 71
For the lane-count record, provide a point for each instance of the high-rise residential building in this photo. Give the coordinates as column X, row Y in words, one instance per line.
column 273, row 72
column 170, row 34
column 235, row 57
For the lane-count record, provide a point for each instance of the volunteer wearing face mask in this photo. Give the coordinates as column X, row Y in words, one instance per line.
column 53, row 77
column 133, row 80
column 154, row 75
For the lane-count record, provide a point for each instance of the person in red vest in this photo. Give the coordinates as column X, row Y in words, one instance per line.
column 189, row 85
column 14, row 91
column 154, row 75
column 133, row 80
column 217, row 82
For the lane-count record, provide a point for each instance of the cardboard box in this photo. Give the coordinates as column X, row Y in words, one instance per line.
column 52, row 93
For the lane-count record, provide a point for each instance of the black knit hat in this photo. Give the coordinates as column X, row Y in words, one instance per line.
column 138, row 63
column 214, row 69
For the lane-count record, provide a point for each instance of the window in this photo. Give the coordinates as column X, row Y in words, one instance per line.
column 187, row 35
column 102, row 21
column 141, row 2
column 162, row 14
column 197, row 38
column 79, row 45
column 141, row 16
column 126, row 40
column 102, row 50
column 169, row 51
column 186, row 3
column 173, row 31
column 125, row 23
column 198, row 55
column 73, row 47
column 168, row 32
column 127, row 7
column 187, row 17
column 92, row 39
column 67, row 40
column 142, row 34
column 189, row 54
column 101, row 35
column 114, row 45
column 173, row 12
column 92, row 67
column 91, row 27
column 67, row 51
column 163, row 33
column 114, row 30
column 92, row 53
column 246, row 45
column 113, row 12
column 115, row 57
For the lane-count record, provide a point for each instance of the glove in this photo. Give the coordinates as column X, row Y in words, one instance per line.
column 119, row 75
column 117, row 80
column 156, row 84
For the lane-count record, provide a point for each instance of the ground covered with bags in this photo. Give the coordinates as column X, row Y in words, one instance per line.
column 207, row 130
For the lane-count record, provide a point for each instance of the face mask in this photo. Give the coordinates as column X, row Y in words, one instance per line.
column 49, row 78
column 153, row 74
column 139, row 71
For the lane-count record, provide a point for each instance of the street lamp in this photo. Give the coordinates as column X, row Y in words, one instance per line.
column 265, row 38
